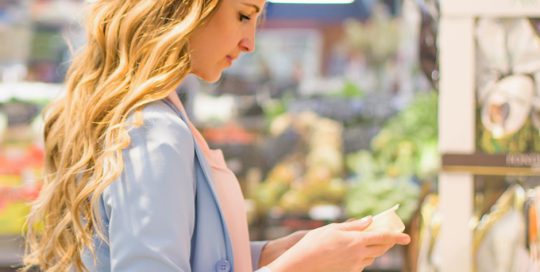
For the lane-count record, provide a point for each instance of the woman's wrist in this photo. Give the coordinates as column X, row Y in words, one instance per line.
column 285, row 263
column 275, row 248
column 268, row 253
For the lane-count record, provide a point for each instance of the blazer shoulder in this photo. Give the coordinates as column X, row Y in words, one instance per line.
column 160, row 123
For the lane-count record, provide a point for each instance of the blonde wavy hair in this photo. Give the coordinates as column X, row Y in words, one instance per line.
column 137, row 52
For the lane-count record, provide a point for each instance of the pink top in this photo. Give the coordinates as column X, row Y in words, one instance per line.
column 230, row 198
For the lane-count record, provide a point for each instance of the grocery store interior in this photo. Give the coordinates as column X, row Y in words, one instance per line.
column 345, row 109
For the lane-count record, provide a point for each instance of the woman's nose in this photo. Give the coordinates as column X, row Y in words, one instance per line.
column 247, row 44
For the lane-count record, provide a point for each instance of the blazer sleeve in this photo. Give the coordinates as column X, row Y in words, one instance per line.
column 256, row 249
column 151, row 208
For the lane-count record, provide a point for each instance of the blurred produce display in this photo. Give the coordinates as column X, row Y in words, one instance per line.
column 407, row 143
column 300, row 182
column 312, row 173
column 371, row 196
column 21, row 163
column 404, row 152
column 377, row 40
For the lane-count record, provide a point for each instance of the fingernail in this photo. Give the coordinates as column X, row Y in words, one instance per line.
column 365, row 219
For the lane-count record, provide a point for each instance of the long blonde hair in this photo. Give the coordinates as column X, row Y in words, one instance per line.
column 137, row 52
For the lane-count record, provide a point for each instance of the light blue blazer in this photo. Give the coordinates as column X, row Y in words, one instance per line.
column 162, row 214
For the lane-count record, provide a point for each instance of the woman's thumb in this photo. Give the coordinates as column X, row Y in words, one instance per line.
column 356, row 225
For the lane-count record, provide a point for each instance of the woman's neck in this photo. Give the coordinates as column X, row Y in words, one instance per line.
column 173, row 97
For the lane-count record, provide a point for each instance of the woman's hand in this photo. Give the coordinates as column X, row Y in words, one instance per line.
column 273, row 249
column 338, row 247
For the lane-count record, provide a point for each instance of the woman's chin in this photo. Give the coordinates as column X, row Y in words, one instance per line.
column 209, row 77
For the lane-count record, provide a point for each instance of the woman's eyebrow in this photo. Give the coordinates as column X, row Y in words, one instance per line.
column 257, row 8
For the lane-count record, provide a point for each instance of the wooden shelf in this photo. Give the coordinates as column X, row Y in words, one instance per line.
column 492, row 164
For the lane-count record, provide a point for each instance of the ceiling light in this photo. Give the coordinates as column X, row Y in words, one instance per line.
column 311, row 1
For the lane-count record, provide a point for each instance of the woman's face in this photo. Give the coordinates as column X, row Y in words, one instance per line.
column 229, row 32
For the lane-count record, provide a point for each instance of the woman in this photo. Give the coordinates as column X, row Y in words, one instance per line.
column 130, row 185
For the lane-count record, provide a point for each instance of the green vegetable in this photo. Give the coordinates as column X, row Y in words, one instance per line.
column 404, row 150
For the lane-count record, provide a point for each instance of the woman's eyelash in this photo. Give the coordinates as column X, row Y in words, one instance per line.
column 244, row 17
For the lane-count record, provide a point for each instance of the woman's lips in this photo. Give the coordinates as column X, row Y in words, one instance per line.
column 230, row 59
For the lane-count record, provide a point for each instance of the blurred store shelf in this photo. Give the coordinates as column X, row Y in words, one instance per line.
column 29, row 91
column 11, row 251
column 57, row 12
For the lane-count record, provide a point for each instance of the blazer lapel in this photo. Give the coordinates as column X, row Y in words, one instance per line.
column 200, row 157
column 208, row 179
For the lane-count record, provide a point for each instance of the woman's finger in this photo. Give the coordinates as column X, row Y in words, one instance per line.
column 384, row 238
column 355, row 225
column 375, row 251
